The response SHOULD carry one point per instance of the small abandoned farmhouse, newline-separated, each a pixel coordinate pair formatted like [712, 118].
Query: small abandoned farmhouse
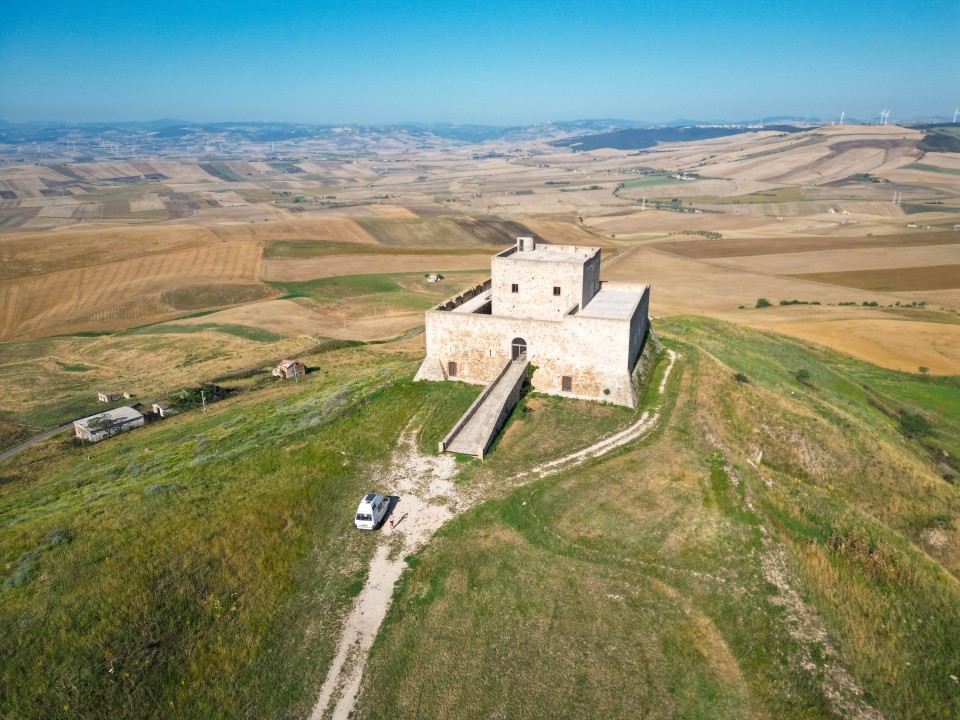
[290, 369]
[544, 304]
[97, 427]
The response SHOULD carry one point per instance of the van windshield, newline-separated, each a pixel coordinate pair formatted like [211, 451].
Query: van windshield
[363, 516]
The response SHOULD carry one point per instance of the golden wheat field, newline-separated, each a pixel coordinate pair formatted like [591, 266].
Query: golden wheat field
[121, 293]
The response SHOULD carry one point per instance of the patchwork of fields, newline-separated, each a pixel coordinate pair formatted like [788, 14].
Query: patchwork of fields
[783, 542]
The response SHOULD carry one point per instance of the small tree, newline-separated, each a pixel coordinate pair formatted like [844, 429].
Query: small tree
[924, 370]
[763, 302]
[803, 376]
[102, 425]
[741, 378]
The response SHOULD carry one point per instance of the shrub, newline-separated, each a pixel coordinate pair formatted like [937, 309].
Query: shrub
[763, 302]
[741, 378]
[914, 425]
[803, 376]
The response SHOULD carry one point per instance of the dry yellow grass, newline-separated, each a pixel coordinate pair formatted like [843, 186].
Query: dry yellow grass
[83, 298]
[894, 344]
[687, 286]
[566, 233]
[303, 318]
[150, 366]
[828, 261]
[298, 269]
[682, 285]
[34, 253]
[661, 221]
[328, 228]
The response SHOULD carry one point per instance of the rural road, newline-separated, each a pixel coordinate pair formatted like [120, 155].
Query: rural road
[34, 440]
[428, 499]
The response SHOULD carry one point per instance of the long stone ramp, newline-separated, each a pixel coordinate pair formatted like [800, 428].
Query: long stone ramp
[475, 431]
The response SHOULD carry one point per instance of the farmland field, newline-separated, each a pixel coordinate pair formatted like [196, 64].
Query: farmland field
[784, 541]
[88, 297]
[932, 168]
[743, 247]
[934, 277]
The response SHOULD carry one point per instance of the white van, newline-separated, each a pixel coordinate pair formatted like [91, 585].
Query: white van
[371, 511]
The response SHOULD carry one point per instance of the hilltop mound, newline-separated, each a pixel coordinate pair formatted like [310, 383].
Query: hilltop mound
[783, 543]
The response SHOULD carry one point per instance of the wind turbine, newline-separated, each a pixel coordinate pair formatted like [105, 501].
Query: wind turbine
[955, 113]
[842, 115]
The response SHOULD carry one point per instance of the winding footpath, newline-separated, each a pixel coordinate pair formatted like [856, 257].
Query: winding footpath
[428, 499]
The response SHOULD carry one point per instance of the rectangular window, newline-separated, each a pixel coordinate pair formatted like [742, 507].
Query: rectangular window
[514, 288]
[566, 383]
[556, 291]
[451, 369]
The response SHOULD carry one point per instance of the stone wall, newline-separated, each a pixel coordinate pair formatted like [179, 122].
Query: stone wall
[535, 279]
[597, 354]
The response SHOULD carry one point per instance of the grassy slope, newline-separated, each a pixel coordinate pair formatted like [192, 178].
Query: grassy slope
[370, 295]
[208, 560]
[198, 568]
[640, 584]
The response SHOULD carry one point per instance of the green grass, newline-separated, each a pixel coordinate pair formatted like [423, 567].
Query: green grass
[651, 181]
[77, 368]
[255, 195]
[116, 200]
[66, 172]
[207, 560]
[222, 171]
[210, 559]
[241, 331]
[777, 195]
[637, 584]
[378, 293]
[418, 231]
[340, 287]
[914, 208]
[320, 248]
[812, 140]
[618, 589]
[931, 168]
[285, 166]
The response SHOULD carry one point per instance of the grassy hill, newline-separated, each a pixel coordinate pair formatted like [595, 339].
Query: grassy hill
[201, 567]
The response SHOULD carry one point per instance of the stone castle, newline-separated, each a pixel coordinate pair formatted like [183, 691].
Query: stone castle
[544, 304]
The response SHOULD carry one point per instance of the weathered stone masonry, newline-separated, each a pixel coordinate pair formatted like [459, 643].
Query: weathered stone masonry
[583, 336]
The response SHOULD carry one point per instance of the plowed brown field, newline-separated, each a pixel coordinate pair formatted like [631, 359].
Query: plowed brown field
[934, 277]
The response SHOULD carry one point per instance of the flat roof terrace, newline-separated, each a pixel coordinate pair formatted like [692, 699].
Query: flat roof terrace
[613, 304]
[552, 254]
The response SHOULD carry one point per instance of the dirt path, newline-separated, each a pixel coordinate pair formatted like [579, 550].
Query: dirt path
[10, 452]
[428, 499]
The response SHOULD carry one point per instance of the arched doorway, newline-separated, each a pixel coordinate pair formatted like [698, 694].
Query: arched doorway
[518, 350]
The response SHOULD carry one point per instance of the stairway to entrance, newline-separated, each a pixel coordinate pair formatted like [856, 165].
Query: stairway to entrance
[474, 432]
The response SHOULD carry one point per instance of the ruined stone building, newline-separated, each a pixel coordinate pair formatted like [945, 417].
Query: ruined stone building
[547, 305]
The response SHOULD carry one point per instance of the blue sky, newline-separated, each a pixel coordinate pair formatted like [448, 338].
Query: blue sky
[476, 62]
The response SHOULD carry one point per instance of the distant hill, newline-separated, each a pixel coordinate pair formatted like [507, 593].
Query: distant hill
[940, 138]
[640, 138]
